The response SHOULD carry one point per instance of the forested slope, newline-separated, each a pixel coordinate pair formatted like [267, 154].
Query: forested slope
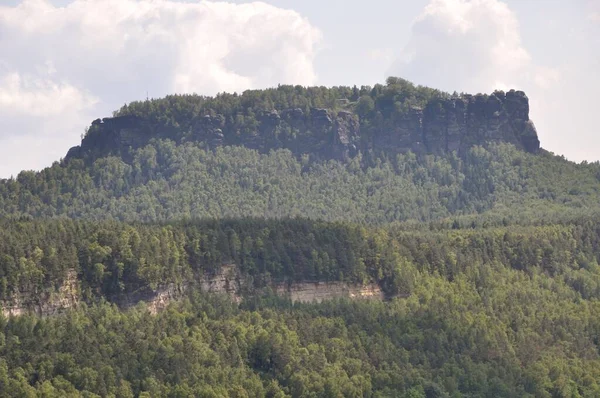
[112, 257]
[164, 159]
[486, 247]
[503, 312]
[165, 181]
[354, 154]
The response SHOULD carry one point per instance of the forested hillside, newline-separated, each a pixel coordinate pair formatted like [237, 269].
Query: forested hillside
[165, 181]
[112, 257]
[378, 162]
[485, 246]
[503, 312]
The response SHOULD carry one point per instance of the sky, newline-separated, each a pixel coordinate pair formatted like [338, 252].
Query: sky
[64, 63]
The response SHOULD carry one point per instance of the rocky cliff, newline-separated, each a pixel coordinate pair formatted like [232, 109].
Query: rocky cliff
[227, 280]
[44, 303]
[308, 292]
[458, 123]
[453, 123]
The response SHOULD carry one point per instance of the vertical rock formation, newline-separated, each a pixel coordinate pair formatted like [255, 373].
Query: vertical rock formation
[458, 123]
[44, 303]
[443, 125]
[209, 129]
[346, 136]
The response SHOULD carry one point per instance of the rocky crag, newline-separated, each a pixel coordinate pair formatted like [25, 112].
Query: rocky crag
[442, 125]
[46, 303]
[227, 280]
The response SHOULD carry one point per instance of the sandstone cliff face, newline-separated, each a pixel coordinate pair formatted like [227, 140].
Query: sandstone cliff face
[156, 300]
[318, 292]
[443, 125]
[46, 303]
[227, 280]
[458, 123]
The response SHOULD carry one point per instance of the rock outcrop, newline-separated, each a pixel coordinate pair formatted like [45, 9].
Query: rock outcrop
[458, 123]
[209, 129]
[317, 292]
[226, 280]
[156, 300]
[443, 125]
[44, 303]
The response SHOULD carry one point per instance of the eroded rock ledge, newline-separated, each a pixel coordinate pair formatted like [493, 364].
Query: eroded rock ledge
[443, 125]
[227, 280]
[45, 303]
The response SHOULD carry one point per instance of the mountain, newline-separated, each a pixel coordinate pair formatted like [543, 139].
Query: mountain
[336, 123]
[386, 241]
[383, 154]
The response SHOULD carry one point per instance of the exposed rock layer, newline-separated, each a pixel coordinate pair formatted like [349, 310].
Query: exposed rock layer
[227, 280]
[318, 292]
[444, 124]
[44, 303]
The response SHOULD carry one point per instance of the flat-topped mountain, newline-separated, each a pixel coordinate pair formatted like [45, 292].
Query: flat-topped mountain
[387, 153]
[330, 123]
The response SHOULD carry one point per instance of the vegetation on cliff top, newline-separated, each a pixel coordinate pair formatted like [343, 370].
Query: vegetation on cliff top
[325, 123]
[396, 96]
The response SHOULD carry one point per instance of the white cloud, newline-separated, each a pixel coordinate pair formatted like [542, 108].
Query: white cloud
[40, 97]
[465, 46]
[475, 46]
[545, 77]
[63, 66]
[383, 55]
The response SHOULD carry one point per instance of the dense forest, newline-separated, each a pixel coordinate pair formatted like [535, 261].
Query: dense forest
[506, 311]
[112, 257]
[487, 250]
[165, 182]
